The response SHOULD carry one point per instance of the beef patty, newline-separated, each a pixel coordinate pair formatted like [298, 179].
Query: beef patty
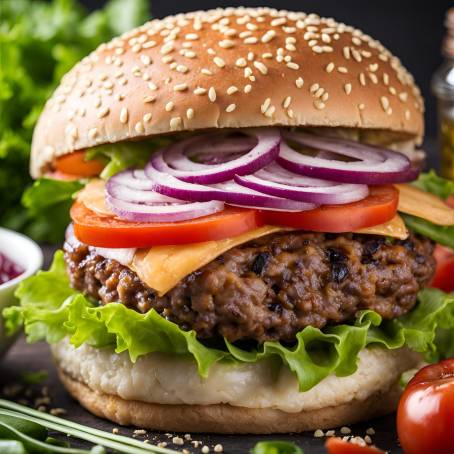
[272, 287]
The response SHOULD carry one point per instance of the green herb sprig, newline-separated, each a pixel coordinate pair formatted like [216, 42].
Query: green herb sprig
[24, 430]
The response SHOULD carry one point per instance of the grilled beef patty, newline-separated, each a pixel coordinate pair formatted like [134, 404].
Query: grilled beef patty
[272, 287]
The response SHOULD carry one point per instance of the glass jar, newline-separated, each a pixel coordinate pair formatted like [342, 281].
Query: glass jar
[443, 88]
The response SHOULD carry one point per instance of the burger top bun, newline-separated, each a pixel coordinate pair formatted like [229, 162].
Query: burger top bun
[233, 67]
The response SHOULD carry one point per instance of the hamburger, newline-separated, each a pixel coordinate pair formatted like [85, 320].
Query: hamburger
[250, 243]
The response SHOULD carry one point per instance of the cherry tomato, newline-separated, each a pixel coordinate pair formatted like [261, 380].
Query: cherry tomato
[338, 446]
[425, 416]
[379, 207]
[444, 273]
[75, 164]
[108, 231]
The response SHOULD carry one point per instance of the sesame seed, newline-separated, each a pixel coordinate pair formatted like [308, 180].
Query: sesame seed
[403, 96]
[345, 430]
[348, 88]
[180, 87]
[169, 106]
[124, 115]
[205, 449]
[407, 115]
[268, 36]
[373, 78]
[356, 41]
[152, 86]
[147, 117]
[385, 78]
[293, 65]
[261, 67]
[251, 40]
[277, 22]
[190, 114]
[103, 112]
[115, 430]
[206, 71]
[330, 433]
[330, 67]
[190, 54]
[346, 52]
[182, 69]
[247, 88]
[373, 67]
[318, 49]
[218, 448]
[319, 433]
[187, 437]
[241, 62]
[230, 108]
[212, 94]
[319, 104]
[265, 105]
[357, 56]
[286, 102]
[226, 43]
[192, 36]
[392, 90]
[200, 91]
[250, 56]
[314, 87]
[312, 42]
[384, 103]
[93, 133]
[270, 111]
[267, 55]
[149, 99]
[370, 431]
[232, 89]
[146, 60]
[247, 72]
[167, 48]
[290, 47]
[342, 69]
[362, 79]
[219, 62]
[177, 441]
[148, 44]
[319, 92]
[299, 82]
[175, 123]
[290, 113]
[368, 440]
[140, 432]
[361, 106]
[139, 128]
[325, 96]
[162, 444]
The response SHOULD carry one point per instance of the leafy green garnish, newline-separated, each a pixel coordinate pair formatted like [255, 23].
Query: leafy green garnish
[442, 188]
[48, 202]
[39, 42]
[50, 309]
[440, 233]
[33, 378]
[433, 183]
[276, 447]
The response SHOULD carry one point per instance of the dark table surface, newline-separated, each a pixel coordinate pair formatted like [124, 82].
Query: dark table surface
[25, 358]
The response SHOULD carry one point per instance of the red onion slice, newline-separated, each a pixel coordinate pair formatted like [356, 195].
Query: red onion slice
[182, 211]
[131, 196]
[174, 161]
[370, 164]
[228, 192]
[278, 182]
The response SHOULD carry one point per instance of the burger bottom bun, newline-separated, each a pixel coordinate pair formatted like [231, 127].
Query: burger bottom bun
[110, 386]
[224, 418]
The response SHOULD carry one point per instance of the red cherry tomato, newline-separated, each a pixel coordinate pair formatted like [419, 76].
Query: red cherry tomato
[444, 273]
[338, 446]
[425, 416]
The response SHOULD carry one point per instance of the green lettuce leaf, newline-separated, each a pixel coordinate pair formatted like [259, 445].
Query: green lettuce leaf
[39, 42]
[442, 188]
[433, 183]
[50, 310]
[276, 447]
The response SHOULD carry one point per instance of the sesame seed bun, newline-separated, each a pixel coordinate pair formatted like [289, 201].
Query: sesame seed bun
[234, 67]
[161, 392]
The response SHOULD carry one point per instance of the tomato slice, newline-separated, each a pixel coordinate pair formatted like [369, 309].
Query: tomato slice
[338, 446]
[426, 411]
[75, 164]
[379, 207]
[111, 232]
[444, 272]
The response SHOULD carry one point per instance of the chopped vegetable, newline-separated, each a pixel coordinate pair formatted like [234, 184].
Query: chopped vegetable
[276, 447]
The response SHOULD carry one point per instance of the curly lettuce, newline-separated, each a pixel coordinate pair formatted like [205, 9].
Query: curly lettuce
[51, 310]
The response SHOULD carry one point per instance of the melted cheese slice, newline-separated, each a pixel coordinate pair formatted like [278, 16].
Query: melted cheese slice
[416, 202]
[93, 197]
[394, 228]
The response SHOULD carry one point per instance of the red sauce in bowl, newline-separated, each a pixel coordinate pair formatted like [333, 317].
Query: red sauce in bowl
[8, 269]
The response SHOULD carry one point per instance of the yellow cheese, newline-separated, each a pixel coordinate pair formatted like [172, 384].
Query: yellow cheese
[394, 228]
[162, 267]
[416, 202]
[93, 197]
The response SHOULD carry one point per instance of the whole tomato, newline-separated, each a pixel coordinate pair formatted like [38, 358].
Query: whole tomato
[425, 416]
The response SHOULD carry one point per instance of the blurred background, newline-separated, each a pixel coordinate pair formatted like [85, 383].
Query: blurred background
[40, 40]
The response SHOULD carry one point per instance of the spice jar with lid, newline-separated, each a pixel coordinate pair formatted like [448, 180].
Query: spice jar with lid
[443, 88]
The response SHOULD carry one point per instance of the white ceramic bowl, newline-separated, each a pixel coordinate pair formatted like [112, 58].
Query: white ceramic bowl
[27, 254]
